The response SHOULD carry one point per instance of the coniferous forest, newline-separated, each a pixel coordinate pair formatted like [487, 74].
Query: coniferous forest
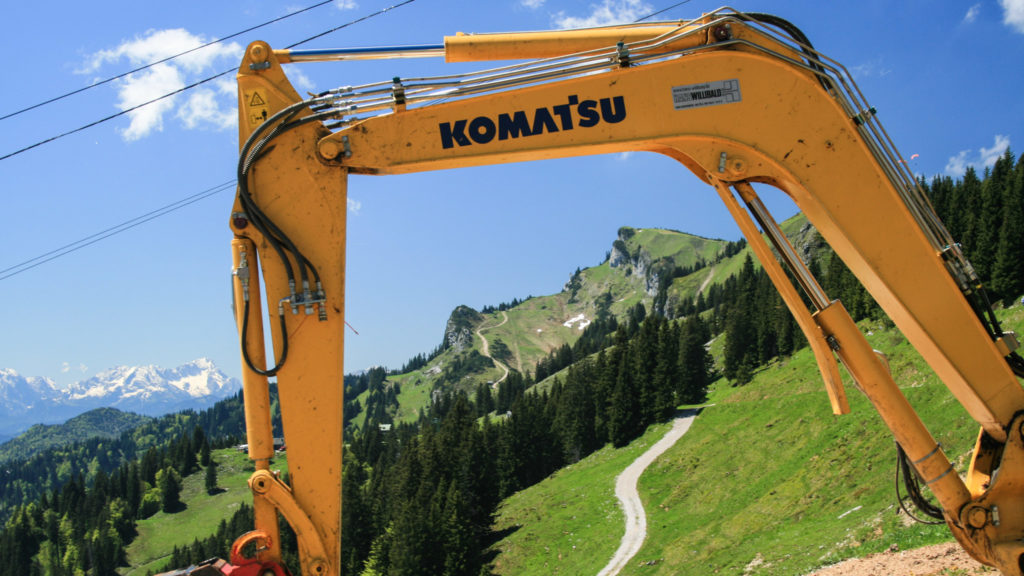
[420, 497]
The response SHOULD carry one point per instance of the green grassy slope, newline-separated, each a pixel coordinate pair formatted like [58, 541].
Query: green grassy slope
[160, 533]
[570, 523]
[538, 325]
[767, 481]
[103, 422]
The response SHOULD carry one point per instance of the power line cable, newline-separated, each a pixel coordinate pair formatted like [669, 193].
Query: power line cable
[113, 230]
[151, 64]
[194, 84]
[129, 224]
[112, 116]
[356, 21]
[653, 14]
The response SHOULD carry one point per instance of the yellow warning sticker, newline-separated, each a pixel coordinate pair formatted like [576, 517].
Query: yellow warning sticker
[258, 109]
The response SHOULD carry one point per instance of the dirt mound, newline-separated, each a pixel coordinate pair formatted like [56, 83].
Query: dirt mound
[937, 560]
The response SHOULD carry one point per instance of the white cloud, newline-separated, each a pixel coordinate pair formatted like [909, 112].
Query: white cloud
[299, 80]
[346, 4]
[531, 4]
[1013, 14]
[354, 206]
[143, 87]
[203, 108]
[984, 158]
[606, 13]
[990, 155]
[876, 68]
[972, 13]
[66, 367]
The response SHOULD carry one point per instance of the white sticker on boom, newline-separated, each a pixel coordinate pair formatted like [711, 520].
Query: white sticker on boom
[706, 94]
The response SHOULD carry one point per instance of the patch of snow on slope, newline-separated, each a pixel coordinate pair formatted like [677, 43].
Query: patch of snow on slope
[581, 318]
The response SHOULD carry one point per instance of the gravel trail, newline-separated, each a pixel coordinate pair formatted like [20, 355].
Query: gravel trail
[629, 498]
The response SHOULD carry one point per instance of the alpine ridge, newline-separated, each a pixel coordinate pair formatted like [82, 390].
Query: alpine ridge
[147, 390]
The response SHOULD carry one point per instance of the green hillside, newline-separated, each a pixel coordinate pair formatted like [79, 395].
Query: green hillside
[571, 522]
[767, 481]
[101, 422]
[161, 532]
[533, 328]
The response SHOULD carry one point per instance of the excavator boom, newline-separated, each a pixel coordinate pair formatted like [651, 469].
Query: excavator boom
[738, 99]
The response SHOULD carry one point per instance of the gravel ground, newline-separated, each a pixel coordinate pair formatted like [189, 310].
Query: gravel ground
[939, 560]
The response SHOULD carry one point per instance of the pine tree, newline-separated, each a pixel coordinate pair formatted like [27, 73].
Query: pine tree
[204, 452]
[967, 202]
[624, 411]
[740, 343]
[695, 362]
[461, 547]
[986, 236]
[575, 416]
[1008, 269]
[356, 523]
[483, 399]
[169, 483]
[210, 480]
[666, 371]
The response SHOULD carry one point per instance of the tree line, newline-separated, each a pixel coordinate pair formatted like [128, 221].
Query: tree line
[26, 480]
[986, 216]
[83, 527]
[420, 497]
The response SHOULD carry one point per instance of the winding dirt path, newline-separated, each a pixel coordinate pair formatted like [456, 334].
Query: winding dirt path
[629, 498]
[711, 274]
[487, 347]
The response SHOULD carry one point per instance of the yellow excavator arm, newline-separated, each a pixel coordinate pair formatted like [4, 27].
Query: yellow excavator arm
[737, 99]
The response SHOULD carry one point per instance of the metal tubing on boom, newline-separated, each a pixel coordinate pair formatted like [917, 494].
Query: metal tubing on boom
[819, 345]
[783, 247]
[255, 387]
[371, 53]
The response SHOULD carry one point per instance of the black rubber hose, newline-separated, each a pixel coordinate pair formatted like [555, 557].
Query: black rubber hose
[806, 47]
[245, 349]
[912, 483]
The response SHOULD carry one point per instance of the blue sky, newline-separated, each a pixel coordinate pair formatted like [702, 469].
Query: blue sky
[946, 78]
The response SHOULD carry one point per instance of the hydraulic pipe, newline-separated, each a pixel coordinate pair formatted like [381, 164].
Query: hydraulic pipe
[371, 53]
[822, 354]
[255, 388]
[551, 44]
[868, 370]
[786, 252]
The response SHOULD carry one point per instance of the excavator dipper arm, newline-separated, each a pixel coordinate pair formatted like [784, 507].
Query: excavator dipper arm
[737, 99]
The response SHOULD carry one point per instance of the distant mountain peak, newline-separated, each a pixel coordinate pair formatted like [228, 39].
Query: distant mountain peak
[149, 390]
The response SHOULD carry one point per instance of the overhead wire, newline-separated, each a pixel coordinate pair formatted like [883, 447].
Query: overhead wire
[194, 84]
[161, 61]
[118, 114]
[129, 224]
[113, 230]
[663, 10]
[347, 24]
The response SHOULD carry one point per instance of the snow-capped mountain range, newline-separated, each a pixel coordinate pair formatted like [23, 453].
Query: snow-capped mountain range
[149, 390]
